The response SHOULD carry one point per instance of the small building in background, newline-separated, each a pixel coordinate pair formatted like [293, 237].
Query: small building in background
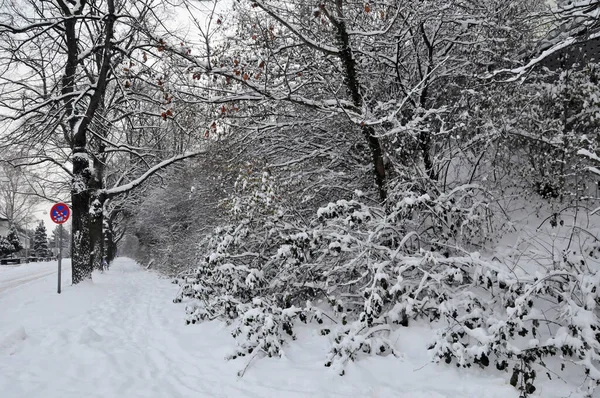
[4, 226]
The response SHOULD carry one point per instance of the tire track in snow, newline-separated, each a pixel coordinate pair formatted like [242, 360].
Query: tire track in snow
[133, 336]
[16, 282]
[156, 361]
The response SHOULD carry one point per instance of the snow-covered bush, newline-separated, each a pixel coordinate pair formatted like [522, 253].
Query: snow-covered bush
[232, 271]
[351, 256]
[361, 270]
[517, 322]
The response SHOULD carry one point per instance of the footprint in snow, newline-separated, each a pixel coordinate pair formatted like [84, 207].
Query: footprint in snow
[10, 343]
[89, 335]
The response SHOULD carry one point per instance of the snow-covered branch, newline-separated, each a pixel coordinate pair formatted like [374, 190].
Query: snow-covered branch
[111, 192]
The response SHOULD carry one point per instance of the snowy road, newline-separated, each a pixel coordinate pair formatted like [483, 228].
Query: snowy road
[13, 276]
[121, 336]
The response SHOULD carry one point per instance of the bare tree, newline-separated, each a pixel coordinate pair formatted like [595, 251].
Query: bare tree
[17, 199]
[344, 84]
[64, 66]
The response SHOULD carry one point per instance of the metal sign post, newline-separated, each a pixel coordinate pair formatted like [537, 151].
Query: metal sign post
[59, 253]
[59, 213]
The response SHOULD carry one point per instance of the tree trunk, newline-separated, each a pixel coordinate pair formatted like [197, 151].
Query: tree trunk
[425, 145]
[81, 265]
[96, 236]
[353, 86]
[98, 198]
[81, 249]
[110, 247]
[80, 194]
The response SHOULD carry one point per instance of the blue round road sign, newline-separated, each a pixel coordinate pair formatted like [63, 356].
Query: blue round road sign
[59, 213]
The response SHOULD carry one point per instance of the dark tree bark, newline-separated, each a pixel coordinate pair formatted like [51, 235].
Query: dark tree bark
[98, 198]
[353, 86]
[80, 196]
[109, 238]
[96, 225]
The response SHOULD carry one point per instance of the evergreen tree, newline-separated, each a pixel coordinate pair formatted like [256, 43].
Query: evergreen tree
[6, 247]
[66, 239]
[40, 241]
[13, 238]
[31, 238]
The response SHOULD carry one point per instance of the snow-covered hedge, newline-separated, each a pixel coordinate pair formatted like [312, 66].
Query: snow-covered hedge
[361, 270]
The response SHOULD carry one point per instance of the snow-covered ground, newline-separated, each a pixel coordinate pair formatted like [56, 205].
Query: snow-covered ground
[121, 336]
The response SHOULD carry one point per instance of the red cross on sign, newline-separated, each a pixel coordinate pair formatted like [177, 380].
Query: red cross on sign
[59, 213]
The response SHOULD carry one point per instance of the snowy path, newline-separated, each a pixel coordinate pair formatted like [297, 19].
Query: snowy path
[121, 336]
